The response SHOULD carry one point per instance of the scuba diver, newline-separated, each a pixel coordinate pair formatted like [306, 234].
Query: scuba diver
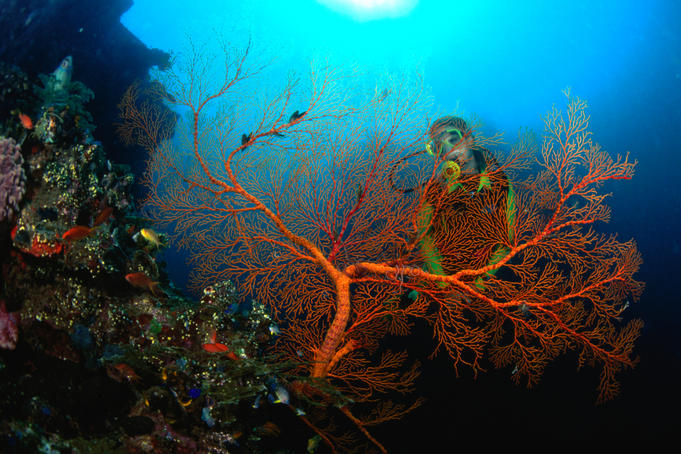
[466, 170]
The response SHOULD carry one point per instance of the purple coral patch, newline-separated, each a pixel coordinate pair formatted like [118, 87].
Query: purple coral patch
[9, 332]
[12, 177]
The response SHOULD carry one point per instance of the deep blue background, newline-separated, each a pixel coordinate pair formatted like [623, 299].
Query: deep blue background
[508, 62]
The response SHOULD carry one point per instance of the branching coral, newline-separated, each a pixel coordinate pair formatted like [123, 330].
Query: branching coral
[299, 208]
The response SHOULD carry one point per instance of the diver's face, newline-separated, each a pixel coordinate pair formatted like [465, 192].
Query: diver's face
[450, 139]
[454, 145]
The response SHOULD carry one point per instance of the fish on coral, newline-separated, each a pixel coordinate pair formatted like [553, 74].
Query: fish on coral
[141, 280]
[26, 121]
[62, 75]
[147, 237]
[217, 347]
[297, 115]
[151, 237]
[122, 372]
[278, 395]
[270, 429]
[207, 417]
[194, 393]
[313, 444]
[103, 216]
[76, 233]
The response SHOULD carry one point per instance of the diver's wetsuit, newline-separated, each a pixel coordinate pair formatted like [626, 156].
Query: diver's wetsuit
[453, 212]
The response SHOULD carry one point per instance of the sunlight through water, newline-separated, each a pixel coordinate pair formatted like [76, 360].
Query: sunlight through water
[365, 10]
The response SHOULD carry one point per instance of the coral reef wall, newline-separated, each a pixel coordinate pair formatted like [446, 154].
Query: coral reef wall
[99, 352]
[36, 35]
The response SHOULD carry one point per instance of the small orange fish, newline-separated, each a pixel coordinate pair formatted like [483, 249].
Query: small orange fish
[121, 371]
[141, 280]
[26, 121]
[270, 429]
[232, 356]
[103, 216]
[76, 233]
[217, 347]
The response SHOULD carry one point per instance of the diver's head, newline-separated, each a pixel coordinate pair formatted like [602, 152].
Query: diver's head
[452, 140]
[450, 135]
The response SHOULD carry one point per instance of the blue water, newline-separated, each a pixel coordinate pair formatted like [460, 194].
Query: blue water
[507, 62]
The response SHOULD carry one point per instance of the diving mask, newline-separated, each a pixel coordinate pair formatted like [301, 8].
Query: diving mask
[446, 140]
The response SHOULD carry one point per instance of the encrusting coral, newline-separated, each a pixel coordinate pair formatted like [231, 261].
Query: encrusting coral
[12, 177]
